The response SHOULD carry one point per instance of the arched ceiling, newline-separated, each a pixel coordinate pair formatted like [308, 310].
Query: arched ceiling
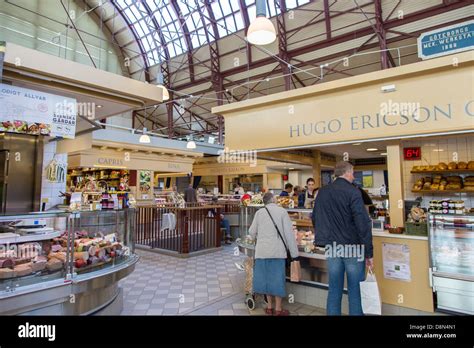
[199, 47]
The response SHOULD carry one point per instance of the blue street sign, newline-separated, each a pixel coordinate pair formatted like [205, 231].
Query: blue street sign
[448, 40]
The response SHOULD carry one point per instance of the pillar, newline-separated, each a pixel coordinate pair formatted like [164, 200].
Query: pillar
[317, 167]
[395, 184]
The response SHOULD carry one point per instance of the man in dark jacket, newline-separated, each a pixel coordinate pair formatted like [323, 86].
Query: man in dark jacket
[342, 225]
[190, 194]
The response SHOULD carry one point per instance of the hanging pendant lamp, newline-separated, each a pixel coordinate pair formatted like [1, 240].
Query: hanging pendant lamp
[261, 31]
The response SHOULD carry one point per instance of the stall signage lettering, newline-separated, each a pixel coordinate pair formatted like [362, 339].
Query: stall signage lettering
[358, 123]
[174, 166]
[453, 39]
[110, 161]
[37, 113]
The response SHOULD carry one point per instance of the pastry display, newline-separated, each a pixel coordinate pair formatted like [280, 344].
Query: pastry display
[462, 165]
[452, 165]
[470, 165]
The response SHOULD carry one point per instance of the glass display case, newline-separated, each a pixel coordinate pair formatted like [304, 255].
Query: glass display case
[451, 239]
[52, 255]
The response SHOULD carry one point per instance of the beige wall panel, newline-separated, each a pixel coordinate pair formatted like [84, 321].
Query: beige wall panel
[416, 294]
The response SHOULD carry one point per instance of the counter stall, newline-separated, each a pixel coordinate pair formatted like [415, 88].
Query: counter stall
[402, 267]
[62, 263]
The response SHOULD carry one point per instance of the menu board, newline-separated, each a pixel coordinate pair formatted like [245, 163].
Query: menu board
[28, 111]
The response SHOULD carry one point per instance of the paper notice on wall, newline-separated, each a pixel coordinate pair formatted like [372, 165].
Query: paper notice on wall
[396, 262]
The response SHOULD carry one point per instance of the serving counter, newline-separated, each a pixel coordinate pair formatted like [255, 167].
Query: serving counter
[65, 263]
[401, 265]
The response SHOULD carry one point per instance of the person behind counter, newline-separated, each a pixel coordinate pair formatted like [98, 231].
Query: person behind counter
[340, 219]
[190, 195]
[306, 198]
[269, 275]
[287, 191]
[238, 189]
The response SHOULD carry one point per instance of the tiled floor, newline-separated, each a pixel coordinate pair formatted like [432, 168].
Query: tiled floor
[208, 284]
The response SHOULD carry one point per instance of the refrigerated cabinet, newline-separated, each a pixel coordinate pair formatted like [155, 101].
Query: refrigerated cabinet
[451, 240]
[65, 263]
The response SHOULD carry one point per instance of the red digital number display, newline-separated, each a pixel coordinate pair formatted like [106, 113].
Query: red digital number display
[412, 153]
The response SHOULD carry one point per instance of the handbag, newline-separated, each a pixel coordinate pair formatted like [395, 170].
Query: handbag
[295, 266]
[370, 295]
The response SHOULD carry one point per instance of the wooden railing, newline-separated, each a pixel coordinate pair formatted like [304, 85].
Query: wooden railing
[197, 227]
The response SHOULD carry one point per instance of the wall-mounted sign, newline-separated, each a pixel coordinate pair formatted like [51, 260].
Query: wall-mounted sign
[110, 161]
[412, 153]
[455, 38]
[32, 112]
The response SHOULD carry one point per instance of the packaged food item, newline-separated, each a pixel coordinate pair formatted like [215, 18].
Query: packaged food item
[434, 187]
[23, 270]
[427, 186]
[54, 264]
[7, 263]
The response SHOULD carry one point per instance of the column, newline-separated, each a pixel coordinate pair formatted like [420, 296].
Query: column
[317, 167]
[395, 184]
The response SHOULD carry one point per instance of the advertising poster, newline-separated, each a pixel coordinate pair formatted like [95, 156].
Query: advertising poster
[32, 112]
[396, 262]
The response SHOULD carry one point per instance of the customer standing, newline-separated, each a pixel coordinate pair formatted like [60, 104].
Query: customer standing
[340, 219]
[190, 195]
[269, 276]
[306, 198]
[287, 191]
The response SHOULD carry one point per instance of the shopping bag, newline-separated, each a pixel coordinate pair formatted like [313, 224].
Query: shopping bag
[370, 295]
[295, 271]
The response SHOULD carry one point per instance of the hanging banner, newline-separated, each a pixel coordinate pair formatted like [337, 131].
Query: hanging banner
[448, 40]
[28, 111]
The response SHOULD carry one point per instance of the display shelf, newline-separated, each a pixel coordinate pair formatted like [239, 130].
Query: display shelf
[303, 223]
[447, 171]
[29, 238]
[442, 191]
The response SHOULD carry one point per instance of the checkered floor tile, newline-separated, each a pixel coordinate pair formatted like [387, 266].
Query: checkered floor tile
[208, 284]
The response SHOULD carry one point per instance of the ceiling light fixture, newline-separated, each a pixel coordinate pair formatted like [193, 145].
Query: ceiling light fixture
[383, 154]
[191, 143]
[438, 150]
[144, 138]
[372, 149]
[356, 144]
[261, 31]
[98, 106]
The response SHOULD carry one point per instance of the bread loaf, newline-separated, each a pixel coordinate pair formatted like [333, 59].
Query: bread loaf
[470, 165]
[462, 165]
[442, 166]
[452, 165]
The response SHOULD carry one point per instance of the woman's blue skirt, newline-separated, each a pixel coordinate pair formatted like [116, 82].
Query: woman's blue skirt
[269, 277]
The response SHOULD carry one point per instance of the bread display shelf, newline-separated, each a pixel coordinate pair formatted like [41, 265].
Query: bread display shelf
[447, 171]
[443, 191]
[303, 223]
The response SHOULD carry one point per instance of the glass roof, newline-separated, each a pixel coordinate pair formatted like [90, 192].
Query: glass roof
[184, 25]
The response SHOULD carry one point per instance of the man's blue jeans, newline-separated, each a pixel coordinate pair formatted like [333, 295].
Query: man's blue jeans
[226, 224]
[355, 270]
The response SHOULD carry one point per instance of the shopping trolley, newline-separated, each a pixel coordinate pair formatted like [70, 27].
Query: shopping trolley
[251, 298]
